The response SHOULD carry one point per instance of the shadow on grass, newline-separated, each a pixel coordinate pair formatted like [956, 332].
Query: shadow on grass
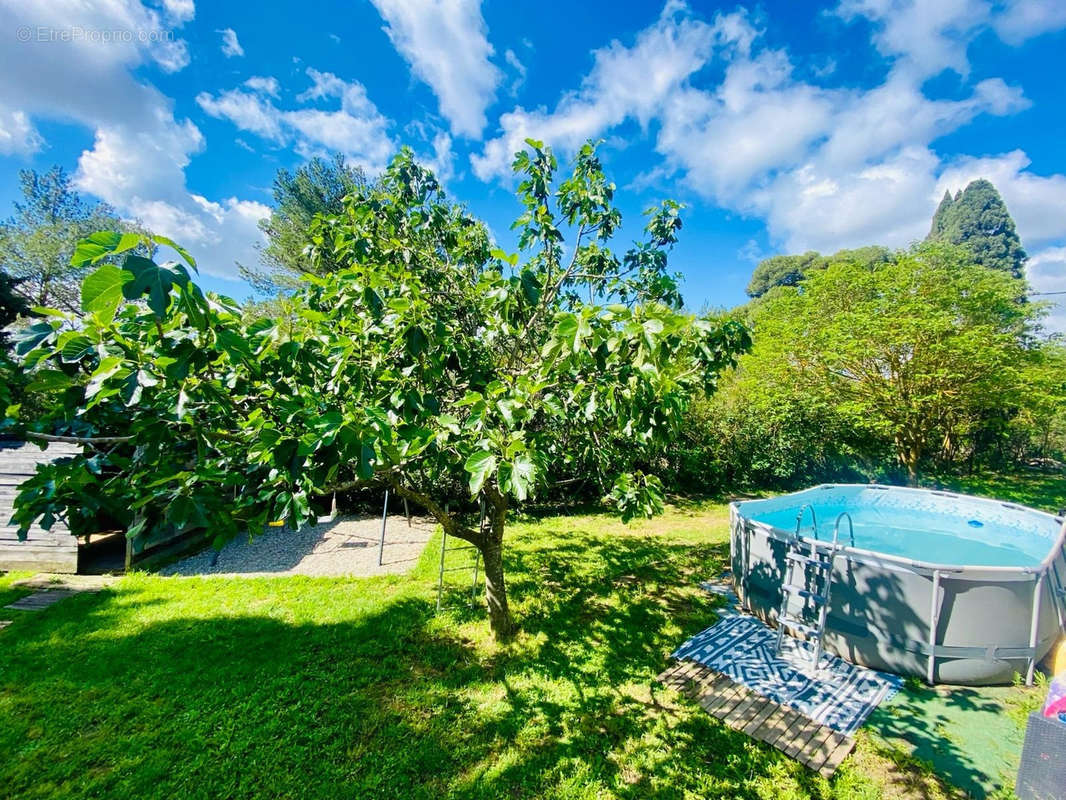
[324, 688]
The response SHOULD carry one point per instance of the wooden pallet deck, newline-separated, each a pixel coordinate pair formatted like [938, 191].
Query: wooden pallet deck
[815, 746]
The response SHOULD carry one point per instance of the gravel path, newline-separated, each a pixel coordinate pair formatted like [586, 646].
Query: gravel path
[346, 546]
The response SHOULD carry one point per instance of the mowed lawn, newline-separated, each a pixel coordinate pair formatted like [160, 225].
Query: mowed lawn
[301, 687]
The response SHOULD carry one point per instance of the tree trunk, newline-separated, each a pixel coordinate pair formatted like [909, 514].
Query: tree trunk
[488, 542]
[492, 555]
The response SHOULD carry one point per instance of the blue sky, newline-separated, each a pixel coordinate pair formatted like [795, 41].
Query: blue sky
[783, 126]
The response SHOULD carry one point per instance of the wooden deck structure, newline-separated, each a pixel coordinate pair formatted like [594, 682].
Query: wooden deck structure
[814, 745]
[42, 551]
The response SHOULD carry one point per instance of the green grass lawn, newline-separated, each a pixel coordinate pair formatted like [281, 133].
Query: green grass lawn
[301, 687]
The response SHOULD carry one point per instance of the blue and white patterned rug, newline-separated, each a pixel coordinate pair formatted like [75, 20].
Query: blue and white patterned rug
[840, 696]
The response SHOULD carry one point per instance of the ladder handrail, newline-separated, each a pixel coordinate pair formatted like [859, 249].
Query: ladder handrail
[814, 520]
[851, 529]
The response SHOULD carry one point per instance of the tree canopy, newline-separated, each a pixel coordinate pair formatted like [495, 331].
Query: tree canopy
[317, 187]
[977, 218]
[421, 353]
[790, 270]
[913, 351]
[37, 242]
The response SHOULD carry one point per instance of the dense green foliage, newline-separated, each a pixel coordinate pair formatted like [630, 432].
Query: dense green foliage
[786, 270]
[319, 187]
[352, 688]
[977, 218]
[927, 361]
[12, 306]
[38, 241]
[426, 357]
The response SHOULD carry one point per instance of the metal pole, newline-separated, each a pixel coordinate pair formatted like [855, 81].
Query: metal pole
[1034, 627]
[934, 619]
[407, 512]
[440, 575]
[384, 514]
[477, 555]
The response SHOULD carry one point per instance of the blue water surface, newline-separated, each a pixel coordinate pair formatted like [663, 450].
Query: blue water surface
[921, 526]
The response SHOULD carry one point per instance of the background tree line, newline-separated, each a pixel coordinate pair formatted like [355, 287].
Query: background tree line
[867, 363]
[894, 365]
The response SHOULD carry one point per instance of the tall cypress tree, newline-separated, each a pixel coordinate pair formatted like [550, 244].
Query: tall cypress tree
[941, 215]
[977, 218]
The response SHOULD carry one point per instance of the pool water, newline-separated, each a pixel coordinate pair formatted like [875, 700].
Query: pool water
[947, 531]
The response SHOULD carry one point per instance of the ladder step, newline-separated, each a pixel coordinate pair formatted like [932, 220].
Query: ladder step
[798, 625]
[816, 563]
[802, 591]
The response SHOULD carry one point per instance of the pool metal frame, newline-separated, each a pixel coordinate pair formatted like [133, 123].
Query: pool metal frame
[1039, 574]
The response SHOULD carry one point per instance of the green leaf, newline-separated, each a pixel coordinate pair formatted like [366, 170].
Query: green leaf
[101, 291]
[155, 281]
[102, 243]
[531, 286]
[366, 459]
[49, 380]
[480, 465]
[76, 348]
[181, 251]
[523, 476]
[29, 338]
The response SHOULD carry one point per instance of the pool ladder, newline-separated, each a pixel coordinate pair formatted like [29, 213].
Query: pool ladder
[818, 566]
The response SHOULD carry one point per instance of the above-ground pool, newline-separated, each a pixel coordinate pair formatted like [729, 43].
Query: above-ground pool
[947, 587]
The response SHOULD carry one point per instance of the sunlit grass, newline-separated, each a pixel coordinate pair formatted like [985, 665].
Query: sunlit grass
[301, 687]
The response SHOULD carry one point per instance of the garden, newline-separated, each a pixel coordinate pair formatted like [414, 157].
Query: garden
[558, 409]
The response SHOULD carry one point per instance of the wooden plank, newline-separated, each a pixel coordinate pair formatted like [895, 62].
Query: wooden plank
[666, 677]
[61, 561]
[678, 678]
[810, 755]
[784, 728]
[740, 715]
[715, 684]
[724, 704]
[799, 736]
[684, 675]
[820, 754]
[41, 600]
[836, 758]
[816, 746]
[772, 728]
[766, 711]
[719, 695]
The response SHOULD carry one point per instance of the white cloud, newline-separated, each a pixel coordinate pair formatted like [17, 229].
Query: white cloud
[17, 134]
[446, 44]
[825, 168]
[268, 85]
[928, 37]
[230, 46]
[179, 11]
[140, 150]
[357, 129]
[1022, 19]
[624, 82]
[1046, 271]
[248, 111]
[519, 68]
[925, 37]
[443, 160]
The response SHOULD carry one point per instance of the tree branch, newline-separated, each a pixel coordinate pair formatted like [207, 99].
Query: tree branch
[448, 521]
